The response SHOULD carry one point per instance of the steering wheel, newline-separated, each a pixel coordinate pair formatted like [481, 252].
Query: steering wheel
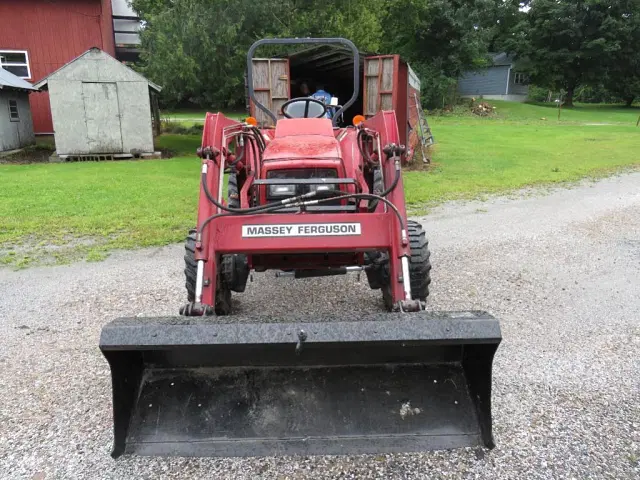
[305, 107]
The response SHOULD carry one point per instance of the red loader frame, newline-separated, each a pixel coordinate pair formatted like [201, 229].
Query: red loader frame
[316, 240]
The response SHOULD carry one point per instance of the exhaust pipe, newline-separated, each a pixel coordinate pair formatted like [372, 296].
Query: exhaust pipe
[389, 383]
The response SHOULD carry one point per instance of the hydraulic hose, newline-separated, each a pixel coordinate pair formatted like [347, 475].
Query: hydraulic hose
[360, 196]
[299, 201]
[261, 143]
[244, 211]
[239, 157]
[362, 133]
[393, 185]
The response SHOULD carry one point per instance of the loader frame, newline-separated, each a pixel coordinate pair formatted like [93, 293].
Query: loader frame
[377, 231]
[383, 230]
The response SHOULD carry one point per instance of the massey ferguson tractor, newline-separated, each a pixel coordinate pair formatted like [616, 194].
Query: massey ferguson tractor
[306, 198]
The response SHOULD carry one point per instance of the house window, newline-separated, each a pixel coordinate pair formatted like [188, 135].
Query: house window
[520, 78]
[16, 62]
[14, 115]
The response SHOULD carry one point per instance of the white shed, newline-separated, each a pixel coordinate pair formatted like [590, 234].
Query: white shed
[100, 108]
[16, 125]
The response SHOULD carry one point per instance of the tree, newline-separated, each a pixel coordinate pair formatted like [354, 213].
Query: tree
[196, 49]
[440, 38]
[566, 43]
[505, 15]
[623, 72]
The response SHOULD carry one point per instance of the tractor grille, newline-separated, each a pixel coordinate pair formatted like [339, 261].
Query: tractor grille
[291, 182]
[281, 184]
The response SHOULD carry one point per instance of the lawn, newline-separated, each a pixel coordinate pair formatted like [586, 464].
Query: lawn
[547, 114]
[493, 157]
[196, 117]
[61, 212]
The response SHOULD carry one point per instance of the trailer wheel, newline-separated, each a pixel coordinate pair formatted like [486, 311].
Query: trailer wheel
[223, 294]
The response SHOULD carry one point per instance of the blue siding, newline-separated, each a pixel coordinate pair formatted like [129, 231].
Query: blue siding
[490, 81]
[517, 89]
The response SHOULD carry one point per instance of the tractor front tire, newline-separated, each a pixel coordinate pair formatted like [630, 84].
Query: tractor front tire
[419, 267]
[223, 294]
[233, 193]
[420, 261]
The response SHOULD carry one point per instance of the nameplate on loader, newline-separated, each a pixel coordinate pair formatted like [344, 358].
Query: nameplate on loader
[301, 230]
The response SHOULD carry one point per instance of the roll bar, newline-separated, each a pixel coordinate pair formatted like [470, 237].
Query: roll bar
[294, 41]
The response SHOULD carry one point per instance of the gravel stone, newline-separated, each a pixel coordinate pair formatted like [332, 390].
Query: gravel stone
[561, 271]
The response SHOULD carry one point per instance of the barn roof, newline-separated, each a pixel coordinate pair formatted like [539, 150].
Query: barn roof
[44, 82]
[9, 81]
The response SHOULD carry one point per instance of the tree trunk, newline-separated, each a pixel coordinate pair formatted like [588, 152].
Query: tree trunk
[568, 101]
[629, 100]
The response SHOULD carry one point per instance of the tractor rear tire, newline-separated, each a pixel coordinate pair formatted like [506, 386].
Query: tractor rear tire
[223, 294]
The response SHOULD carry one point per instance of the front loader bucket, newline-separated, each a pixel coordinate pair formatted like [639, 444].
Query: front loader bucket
[389, 383]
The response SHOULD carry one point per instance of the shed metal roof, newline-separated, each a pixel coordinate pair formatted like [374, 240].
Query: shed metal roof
[10, 82]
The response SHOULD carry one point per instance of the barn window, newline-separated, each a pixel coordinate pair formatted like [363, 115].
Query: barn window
[16, 62]
[520, 78]
[14, 115]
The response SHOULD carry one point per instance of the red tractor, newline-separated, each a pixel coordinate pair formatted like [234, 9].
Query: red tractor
[307, 198]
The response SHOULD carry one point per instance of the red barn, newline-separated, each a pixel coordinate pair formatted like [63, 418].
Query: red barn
[39, 36]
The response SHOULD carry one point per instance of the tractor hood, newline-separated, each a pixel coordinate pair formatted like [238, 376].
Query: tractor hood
[303, 138]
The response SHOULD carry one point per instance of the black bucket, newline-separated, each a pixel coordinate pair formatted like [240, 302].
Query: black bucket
[389, 383]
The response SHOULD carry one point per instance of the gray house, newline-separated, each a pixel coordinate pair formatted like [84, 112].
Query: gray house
[16, 126]
[499, 81]
[101, 109]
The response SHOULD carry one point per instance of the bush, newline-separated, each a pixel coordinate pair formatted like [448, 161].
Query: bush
[595, 94]
[195, 130]
[539, 94]
[167, 125]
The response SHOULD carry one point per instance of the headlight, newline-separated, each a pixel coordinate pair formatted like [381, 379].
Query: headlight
[324, 187]
[282, 190]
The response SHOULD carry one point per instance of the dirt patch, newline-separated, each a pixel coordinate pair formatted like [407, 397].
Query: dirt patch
[27, 155]
[166, 153]
[31, 251]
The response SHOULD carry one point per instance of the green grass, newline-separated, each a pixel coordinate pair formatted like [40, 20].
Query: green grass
[472, 160]
[96, 207]
[526, 113]
[180, 145]
[56, 213]
[196, 117]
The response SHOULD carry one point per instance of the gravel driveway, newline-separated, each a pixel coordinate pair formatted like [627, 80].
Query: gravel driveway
[561, 272]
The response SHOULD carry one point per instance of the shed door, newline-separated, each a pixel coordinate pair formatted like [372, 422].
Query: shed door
[271, 87]
[102, 117]
[378, 83]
